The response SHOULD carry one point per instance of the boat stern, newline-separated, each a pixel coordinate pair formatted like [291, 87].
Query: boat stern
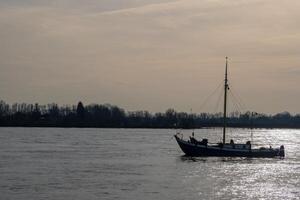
[281, 151]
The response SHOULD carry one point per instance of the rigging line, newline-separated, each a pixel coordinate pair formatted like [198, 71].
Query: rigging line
[241, 106]
[237, 111]
[239, 98]
[206, 100]
[235, 104]
[232, 101]
[238, 105]
[218, 101]
[236, 99]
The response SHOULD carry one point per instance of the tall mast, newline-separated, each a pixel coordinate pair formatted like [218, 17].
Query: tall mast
[225, 102]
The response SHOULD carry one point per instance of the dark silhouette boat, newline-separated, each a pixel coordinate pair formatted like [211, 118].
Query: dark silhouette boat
[193, 147]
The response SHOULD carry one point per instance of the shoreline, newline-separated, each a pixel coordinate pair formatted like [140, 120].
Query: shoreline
[198, 128]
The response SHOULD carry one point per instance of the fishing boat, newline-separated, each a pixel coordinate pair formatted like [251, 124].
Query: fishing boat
[193, 147]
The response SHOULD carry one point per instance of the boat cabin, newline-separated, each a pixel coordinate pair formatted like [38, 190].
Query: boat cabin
[237, 146]
[230, 145]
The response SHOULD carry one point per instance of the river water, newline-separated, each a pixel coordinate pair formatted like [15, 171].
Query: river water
[58, 163]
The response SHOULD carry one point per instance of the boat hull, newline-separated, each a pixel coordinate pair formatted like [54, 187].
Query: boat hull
[197, 150]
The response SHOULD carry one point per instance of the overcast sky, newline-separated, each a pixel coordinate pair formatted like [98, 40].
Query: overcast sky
[151, 54]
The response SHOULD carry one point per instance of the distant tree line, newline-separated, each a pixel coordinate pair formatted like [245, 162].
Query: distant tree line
[109, 116]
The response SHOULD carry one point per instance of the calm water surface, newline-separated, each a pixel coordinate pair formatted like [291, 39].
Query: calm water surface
[55, 163]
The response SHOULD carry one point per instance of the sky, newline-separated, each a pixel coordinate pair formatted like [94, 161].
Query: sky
[151, 54]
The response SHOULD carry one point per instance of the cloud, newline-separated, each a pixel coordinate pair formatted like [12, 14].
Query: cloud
[154, 48]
